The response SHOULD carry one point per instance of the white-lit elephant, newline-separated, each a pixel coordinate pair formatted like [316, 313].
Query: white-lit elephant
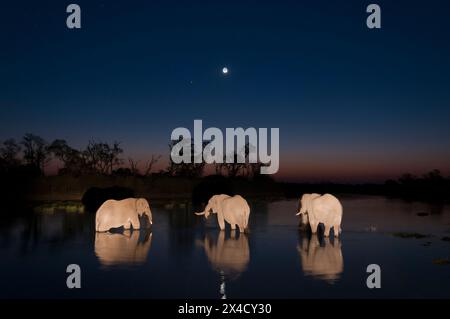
[118, 213]
[232, 209]
[304, 206]
[322, 261]
[324, 209]
[131, 247]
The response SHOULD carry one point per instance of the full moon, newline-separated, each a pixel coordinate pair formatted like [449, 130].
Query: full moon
[225, 70]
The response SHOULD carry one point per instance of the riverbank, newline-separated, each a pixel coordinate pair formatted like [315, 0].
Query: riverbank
[195, 190]
[70, 188]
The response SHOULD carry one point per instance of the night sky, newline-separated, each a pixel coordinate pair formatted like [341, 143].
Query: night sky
[352, 104]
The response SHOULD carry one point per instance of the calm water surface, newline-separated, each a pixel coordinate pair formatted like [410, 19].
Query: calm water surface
[184, 257]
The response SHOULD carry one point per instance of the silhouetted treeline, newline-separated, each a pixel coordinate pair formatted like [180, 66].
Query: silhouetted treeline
[241, 166]
[431, 186]
[23, 163]
[31, 156]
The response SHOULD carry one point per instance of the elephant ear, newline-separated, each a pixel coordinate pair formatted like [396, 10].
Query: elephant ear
[212, 204]
[215, 204]
[219, 207]
[138, 205]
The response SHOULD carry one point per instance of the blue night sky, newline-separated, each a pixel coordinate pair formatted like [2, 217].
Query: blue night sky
[352, 104]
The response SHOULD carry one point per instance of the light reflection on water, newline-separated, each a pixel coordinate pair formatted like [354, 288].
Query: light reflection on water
[321, 257]
[185, 257]
[229, 257]
[129, 247]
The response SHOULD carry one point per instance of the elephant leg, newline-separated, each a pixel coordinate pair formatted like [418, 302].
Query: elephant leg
[337, 230]
[136, 223]
[101, 229]
[221, 221]
[326, 232]
[127, 225]
[314, 227]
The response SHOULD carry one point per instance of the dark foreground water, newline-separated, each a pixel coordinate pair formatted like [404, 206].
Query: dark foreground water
[182, 257]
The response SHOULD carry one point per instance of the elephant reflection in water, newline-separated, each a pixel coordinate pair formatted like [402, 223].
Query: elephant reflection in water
[321, 257]
[229, 257]
[126, 248]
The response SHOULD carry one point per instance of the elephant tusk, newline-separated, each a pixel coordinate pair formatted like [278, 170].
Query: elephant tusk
[297, 214]
[199, 214]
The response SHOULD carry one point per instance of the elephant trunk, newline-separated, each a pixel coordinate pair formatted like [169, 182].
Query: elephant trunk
[205, 212]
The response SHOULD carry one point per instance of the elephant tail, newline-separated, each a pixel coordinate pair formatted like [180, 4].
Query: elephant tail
[338, 220]
[97, 224]
[246, 216]
[99, 228]
[243, 221]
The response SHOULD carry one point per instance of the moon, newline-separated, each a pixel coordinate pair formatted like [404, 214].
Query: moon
[225, 70]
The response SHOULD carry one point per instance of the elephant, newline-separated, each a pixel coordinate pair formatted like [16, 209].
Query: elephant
[232, 209]
[118, 249]
[304, 206]
[322, 261]
[324, 209]
[125, 212]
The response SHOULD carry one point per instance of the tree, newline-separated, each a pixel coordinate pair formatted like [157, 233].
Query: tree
[134, 170]
[123, 171]
[185, 169]
[407, 179]
[150, 163]
[9, 153]
[233, 169]
[35, 151]
[71, 158]
[61, 150]
[101, 157]
[434, 176]
[245, 168]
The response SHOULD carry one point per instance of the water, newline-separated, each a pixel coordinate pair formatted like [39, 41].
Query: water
[184, 257]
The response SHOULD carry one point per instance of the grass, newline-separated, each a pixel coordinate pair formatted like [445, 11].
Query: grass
[411, 235]
[61, 206]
